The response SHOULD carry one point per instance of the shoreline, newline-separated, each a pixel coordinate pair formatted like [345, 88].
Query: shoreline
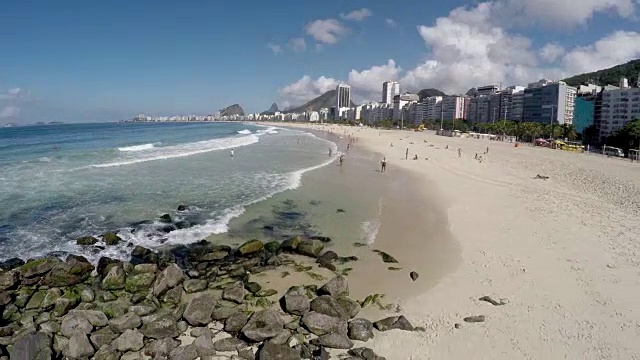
[561, 252]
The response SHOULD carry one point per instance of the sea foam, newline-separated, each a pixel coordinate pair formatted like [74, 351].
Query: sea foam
[137, 147]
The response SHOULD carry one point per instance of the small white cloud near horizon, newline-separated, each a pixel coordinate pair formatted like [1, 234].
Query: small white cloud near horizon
[9, 112]
[298, 44]
[391, 22]
[275, 48]
[357, 15]
[327, 31]
[552, 52]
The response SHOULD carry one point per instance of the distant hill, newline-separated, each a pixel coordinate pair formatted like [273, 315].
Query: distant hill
[326, 100]
[272, 110]
[425, 93]
[609, 76]
[234, 109]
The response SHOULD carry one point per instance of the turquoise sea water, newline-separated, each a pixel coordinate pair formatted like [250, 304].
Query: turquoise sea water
[60, 182]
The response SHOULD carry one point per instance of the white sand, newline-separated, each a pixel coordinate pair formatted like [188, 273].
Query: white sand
[564, 252]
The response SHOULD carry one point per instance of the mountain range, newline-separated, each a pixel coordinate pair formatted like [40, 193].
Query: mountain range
[234, 109]
[272, 110]
[326, 100]
[610, 76]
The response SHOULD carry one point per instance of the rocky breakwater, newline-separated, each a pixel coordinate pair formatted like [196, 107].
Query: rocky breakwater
[147, 307]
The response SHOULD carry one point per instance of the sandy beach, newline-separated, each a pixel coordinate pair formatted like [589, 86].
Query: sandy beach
[562, 253]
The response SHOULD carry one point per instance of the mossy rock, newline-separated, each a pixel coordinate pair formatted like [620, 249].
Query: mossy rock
[251, 247]
[386, 257]
[86, 240]
[139, 282]
[165, 218]
[272, 247]
[111, 238]
[266, 293]
[291, 244]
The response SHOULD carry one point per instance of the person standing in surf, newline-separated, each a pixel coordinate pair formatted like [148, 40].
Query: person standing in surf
[232, 153]
[383, 165]
[341, 159]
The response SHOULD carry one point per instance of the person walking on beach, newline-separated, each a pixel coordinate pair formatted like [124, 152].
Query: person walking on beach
[487, 152]
[330, 152]
[232, 153]
[406, 154]
[341, 159]
[383, 165]
[459, 152]
[348, 146]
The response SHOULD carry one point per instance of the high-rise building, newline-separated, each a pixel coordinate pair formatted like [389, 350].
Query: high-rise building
[619, 106]
[453, 107]
[549, 102]
[400, 101]
[389, 90]
[343, 96]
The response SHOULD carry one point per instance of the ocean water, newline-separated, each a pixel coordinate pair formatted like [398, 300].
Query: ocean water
[61, 182]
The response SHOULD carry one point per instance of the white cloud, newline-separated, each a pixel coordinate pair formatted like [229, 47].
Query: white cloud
[470, 48]
[390, 22]
[277, 49]
[551, 52]
[9, 111]
[14, 91]
[557, 13]
[357, 15]
[298, 44]
[306, 89]
[326, 31]
[618, 47]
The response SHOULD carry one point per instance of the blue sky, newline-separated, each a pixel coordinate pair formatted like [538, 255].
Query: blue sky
[109, 60]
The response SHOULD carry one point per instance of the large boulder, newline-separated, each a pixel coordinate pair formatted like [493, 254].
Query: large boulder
[86, 240]
[168, 278]
[194, 285]
[79, 347]
[263, 325]
[159, 326]
[73, 271]
[393, 322]
[321, 324]
[311, 248]
[234, 293]
[290, 244]
[360, 329]
[271, 351]
[230, 344]
[199, 309]
[327, 257]
[235, 322]
[350, 306]
[130, 340]
[73, 323]
[34, 346]
[139, 282]
[250, 248]
[328, 305]
[338, 286]
[115, 279]
[95, 317]
[38, 267]
[107, 352]
[105, 264]
[334, 341]
[111, 238]
[160, 349]
[125, 322]
[296, 302]
[104, 336]
[185, 352]
[8, 280]
[11, 264]
[204, 345]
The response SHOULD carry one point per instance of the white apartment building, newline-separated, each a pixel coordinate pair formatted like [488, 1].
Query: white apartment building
[400, 101]
[619, 106]
[354, 113]
[453, 107]
[433, 107]
[343, 96]
[389, 90]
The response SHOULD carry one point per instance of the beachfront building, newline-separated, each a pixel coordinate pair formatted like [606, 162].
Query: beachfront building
[453, 107]
[433, 107]
[389, 90]
[511, 101]
[584, 113]
[478, 109]
[619, 106]
[343, 96]
[549, 102]
[399, 103]
[354, 113]
[374, 112]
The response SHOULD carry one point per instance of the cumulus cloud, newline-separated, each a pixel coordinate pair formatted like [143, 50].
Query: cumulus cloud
[557, 13]
[13, 93]
[306, 89]
[9, 112]
[471, 47]
[357, 15]
[298, 44]
[551, 52]
[277, 49]
[327, 31]
[390, 22]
